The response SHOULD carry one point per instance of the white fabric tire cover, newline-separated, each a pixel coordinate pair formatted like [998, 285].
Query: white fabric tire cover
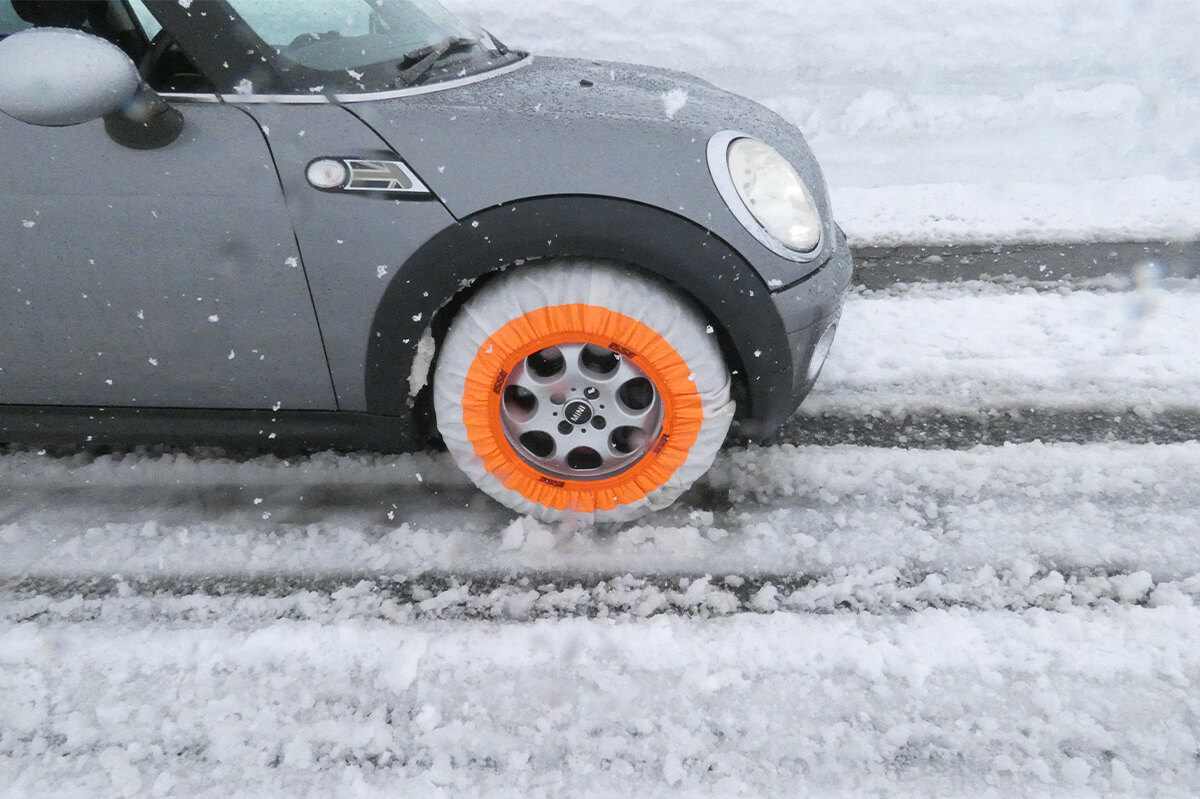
[567, 302]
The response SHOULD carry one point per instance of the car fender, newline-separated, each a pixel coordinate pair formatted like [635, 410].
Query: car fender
[690, 258]
[562, 126]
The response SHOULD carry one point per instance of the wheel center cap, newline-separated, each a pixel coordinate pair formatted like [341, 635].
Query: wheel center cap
[578, 412]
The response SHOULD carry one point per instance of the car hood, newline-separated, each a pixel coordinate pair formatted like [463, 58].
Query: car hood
[596, 89]
[566, 126]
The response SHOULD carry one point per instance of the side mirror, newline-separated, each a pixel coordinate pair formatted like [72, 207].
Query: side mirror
[57, 77]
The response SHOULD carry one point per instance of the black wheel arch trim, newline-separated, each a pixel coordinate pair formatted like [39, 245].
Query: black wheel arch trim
[697, 263]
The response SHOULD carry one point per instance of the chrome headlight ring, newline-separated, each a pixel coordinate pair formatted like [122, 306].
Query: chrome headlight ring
[766, 194]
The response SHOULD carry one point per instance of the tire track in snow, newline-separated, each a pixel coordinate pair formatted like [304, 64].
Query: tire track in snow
[935, 429]
[527, 597]
[1043, 267]
[782, 516]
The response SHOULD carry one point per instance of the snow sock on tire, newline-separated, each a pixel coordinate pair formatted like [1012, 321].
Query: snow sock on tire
[581, 389]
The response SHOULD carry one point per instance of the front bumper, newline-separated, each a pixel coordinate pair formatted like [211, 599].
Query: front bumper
[809, 312]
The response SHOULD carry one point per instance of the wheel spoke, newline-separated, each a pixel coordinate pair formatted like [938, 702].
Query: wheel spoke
[579, 411]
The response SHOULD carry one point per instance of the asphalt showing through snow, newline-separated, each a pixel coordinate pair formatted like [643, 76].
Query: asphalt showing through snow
[1046, 266]
[525, 597]
[938, 430]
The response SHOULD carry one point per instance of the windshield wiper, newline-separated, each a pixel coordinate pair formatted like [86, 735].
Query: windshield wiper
[416, 64]
[498, 47]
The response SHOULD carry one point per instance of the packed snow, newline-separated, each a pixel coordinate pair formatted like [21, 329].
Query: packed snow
[808, 620]
[938, 702]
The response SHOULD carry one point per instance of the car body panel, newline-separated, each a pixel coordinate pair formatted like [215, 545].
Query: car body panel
[353, 243]
[310, 301]
[604, 171]
[540, 131]
[162, 277]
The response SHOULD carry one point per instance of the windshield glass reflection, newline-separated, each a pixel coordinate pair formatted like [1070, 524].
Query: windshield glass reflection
[330, 35]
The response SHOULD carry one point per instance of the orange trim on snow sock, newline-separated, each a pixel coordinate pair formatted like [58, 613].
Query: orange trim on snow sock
[683, 412]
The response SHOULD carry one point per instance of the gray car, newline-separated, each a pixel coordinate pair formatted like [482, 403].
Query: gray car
[357, 223]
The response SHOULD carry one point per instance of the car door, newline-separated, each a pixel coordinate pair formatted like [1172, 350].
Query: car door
[167, 277]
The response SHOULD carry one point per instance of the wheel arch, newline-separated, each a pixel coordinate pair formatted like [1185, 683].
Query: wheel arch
[452, 265]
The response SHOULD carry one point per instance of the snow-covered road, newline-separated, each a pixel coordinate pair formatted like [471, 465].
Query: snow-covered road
[833, 620]
[935, 702]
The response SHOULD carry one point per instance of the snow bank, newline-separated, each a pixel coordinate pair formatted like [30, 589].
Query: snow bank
[939, 122]
[946, 349]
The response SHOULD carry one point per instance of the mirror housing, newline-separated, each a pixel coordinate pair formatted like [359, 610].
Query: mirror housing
[57, 77]
[146, 122]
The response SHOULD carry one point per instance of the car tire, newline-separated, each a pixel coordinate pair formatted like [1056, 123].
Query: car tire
[581, 389]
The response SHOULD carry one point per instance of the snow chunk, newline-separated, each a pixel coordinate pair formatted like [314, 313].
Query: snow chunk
[674, 101]
[1133, 587]
[418, 375]
[527, 533]
[122, 774]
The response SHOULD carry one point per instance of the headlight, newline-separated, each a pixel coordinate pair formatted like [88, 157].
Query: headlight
[766, 194]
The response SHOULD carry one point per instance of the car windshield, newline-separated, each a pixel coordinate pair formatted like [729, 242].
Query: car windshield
[333, 35]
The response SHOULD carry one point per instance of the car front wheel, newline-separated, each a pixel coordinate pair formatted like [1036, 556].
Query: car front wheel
[581, 389]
